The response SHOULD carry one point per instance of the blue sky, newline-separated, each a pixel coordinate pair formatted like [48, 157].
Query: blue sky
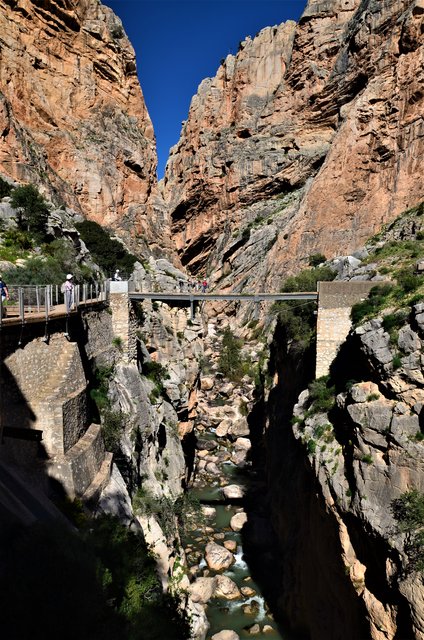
[178, 43]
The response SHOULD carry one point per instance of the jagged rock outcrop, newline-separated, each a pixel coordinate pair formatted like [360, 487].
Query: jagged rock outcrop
[73, 118]
[361, 456]
[307, 140]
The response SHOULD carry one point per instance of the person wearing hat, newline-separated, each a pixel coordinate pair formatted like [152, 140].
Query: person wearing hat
[69, 292]
[4, 292]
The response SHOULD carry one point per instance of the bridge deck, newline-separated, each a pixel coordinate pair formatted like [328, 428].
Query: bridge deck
[201, 297]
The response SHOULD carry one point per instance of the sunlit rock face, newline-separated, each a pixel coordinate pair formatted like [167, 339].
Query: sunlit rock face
[315, 129]
[73, 117]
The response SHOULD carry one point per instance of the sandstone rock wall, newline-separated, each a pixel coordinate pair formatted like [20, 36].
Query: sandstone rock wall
[326, 114]
[73, 117]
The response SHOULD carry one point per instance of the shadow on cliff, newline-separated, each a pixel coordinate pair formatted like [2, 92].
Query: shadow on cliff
[291, 542]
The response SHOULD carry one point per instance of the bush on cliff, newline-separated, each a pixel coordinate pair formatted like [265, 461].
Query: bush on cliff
[109, 254]
[321, 395]
[230, 362]
[408, 510]
[5, 188]
[297, 317]
[376, 301]
[32, 212]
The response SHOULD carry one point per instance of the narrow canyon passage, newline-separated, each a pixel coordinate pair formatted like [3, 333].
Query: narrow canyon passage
[231, 548]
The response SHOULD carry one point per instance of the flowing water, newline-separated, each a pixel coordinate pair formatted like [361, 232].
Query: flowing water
[237, 615]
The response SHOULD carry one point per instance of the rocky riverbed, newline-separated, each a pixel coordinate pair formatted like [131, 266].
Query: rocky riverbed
[224, 479]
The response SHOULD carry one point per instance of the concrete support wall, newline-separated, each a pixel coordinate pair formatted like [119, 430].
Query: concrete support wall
[124, 322]
[335, 301]
[44, 387]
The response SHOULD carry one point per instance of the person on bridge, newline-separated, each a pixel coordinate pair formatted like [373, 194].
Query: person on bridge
[4, 292]
[204, 285]
[69, 292]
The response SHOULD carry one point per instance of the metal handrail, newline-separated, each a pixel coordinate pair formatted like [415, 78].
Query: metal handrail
[30, 299]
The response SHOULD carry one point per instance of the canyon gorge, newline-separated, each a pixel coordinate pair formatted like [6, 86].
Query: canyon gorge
[271, 496]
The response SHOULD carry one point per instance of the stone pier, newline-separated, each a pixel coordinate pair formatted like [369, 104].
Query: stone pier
[124, 321]
[335, 300]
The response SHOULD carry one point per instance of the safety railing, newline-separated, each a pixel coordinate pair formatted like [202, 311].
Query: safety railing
[27, 300]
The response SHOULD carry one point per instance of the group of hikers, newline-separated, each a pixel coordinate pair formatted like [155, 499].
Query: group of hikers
[193, 285]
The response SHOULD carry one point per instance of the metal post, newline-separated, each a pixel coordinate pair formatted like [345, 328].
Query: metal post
[97, 290]
[37, 298]
[191, 308]
[47, 301]
[21, 304]
[84, 292]
[76, 291]
[57, 294]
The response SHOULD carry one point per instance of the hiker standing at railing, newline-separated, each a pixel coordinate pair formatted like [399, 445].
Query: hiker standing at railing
[4, 292]
[68, 289]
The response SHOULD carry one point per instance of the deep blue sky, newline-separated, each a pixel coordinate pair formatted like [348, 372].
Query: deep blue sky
[178, 43]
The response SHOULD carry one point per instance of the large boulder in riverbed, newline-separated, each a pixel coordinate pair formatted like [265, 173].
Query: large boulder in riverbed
[218, 558]
[226, 588]
[238, 521]
[202, 589]
[225, 634]
[238, 428]
[232, 492]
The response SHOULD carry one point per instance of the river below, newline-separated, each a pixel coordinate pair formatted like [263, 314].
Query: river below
[248, 614]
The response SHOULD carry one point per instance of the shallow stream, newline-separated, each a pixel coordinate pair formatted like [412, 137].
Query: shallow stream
[222, 613]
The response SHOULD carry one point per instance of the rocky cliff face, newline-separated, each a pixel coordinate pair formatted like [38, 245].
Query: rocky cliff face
[73, 118]
[314, 129]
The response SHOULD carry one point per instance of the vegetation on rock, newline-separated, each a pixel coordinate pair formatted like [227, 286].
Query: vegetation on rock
[296, 317]
[106, 251]
[32, 212]
[408, 510]
[99, 582]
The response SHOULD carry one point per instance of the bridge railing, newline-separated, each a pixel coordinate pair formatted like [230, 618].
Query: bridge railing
[27, 300]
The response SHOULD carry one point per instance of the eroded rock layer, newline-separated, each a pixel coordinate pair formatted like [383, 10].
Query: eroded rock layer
[314, 128]
[72, 114]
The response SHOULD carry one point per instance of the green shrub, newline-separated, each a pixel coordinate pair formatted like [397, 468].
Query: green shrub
[397, 361]
[113, 425]
[321, 395]
[307, 279]
[408, 281]
[376, 301]
[394, 320]
[311, 446]
[230, 363]
[408, 511]
[107, 252]
[155, 371]
[319, 431]
[100, 386]
[373, 396]
[32, 212]
[5, 188]
[18, 239]
[367, 458]
[316, 259]
[118, 343]
[296, 317]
